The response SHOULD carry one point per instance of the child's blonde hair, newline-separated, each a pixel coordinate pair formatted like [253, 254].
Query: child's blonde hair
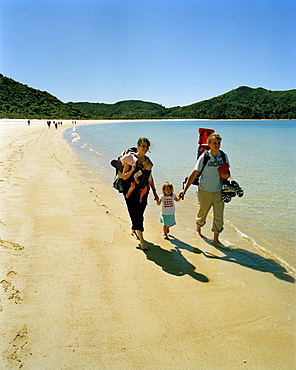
[167, 185]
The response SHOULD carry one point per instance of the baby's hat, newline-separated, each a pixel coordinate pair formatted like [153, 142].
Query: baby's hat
[129, 158]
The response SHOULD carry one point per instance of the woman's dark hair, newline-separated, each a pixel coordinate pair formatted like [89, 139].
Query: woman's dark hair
[143, 140]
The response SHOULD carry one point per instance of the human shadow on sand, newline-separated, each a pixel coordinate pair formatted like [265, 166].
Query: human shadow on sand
[182, 245]
[249, 259]
[173, 262]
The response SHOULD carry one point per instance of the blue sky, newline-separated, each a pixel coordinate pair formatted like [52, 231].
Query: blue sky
[172, 52]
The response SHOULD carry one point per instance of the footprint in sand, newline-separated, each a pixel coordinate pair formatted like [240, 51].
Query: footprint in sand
[6, 285]
[12, 293]
[10, 245]
[17, 348]
[11, 273]
[10, 290]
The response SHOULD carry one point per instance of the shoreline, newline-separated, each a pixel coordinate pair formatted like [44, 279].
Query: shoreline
[98, 121]
[76, 292]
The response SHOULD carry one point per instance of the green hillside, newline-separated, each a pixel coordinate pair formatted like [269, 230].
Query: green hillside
[128, 109]
[20, 101]
[242, 103]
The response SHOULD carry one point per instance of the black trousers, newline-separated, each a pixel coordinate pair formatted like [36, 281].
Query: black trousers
[136, 209]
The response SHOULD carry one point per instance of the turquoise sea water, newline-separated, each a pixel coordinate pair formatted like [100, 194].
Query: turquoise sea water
[262, 159]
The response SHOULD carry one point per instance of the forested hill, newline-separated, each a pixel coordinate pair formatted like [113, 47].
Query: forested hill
[128, 109]
[241, 103]
[20, 101]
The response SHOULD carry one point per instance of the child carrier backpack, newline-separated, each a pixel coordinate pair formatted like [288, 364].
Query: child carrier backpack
[117, 182]
[203, 145]
[229, 189]
[203, 148]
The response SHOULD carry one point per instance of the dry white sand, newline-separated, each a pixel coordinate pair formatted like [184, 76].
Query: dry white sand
[76, 293]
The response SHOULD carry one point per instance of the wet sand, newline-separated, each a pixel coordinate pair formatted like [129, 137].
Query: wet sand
[76, 293]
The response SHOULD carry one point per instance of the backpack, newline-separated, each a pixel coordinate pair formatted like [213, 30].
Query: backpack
[205, 161]
[229, 189]
[203, 148]
[203, 145]
[117, 182]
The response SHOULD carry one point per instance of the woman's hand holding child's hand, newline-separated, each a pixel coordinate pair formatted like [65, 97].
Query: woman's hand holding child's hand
[181, 195]
[156, 197]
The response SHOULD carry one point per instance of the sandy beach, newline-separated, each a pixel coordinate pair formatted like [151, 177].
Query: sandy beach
[76, 293]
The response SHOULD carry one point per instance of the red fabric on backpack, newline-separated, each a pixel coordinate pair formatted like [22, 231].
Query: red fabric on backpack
[204, 133]
[224, 169]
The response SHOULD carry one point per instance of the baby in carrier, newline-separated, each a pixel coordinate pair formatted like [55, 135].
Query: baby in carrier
[139, 176]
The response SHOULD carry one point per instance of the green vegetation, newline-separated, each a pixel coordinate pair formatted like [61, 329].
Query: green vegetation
[20, 101]
[129, 109]
[242, 103]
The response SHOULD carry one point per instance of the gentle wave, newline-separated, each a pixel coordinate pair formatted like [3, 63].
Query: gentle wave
[75, 135]
[254, 243]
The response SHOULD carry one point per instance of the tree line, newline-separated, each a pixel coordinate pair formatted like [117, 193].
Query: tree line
[241, 103]
[20, 101]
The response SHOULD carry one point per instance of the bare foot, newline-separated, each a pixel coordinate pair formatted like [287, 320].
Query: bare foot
[216, 238]
[198, 231]
[134, 234]
[143, 247]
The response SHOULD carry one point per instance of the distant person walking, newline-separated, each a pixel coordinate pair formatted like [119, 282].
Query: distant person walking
[210, 187]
